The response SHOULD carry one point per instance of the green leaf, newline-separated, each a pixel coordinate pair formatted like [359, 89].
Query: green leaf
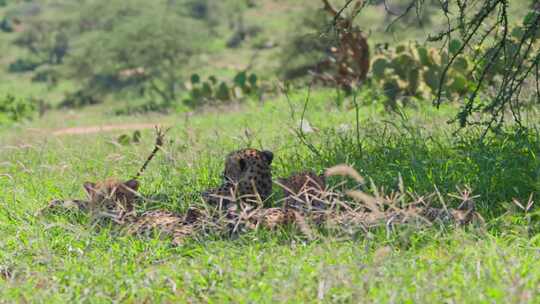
[461, 64]
[124, 139]
[432, 79]
[378, 67]
[518, 33]
[240, 79]
[458, 84]
[137, 136]
[454, 46]
[195, 78]
[423, 55]
[530, 18]
[196, 93]
[206, 90]
[401, 48]
[223, 92]
[252, 80]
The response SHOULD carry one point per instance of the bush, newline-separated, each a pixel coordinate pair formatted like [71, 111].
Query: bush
[148, 49]
[47, 75]
[14, 109]
[307, 45]
[212, 90]
[5, 25]
[79, 99]
[23, 65]
[413, 71]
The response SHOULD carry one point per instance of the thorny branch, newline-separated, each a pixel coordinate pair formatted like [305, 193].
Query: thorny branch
[300, 131]
[490, 41]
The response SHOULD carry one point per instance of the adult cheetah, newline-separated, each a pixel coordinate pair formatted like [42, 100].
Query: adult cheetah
[247, 177]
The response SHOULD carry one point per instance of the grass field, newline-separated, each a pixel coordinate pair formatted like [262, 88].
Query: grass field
[63, 258]
[67, 257]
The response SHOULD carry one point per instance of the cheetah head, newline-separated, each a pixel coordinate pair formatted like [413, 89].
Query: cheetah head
[247, 172]
[111, 196]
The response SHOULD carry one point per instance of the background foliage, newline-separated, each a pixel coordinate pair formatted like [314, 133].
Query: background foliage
[82, 83]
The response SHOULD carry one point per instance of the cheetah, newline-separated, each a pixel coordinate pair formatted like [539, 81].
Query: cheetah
[303, 190]
[247, 176]
[111, 198]
[116, 201]
[166, 223]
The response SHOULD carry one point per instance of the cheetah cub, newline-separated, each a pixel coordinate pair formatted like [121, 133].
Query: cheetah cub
[304, 191]
[112, 197]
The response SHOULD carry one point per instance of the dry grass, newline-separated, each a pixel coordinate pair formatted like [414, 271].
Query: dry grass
[342, 211]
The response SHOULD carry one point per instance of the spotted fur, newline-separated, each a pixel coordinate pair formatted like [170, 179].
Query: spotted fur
[166, 223]
[247, 177]
[111, 198]
[303, 190]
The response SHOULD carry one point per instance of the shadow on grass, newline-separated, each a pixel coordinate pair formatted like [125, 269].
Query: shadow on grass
[500, 168]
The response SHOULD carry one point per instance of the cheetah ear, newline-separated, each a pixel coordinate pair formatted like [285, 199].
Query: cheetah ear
[132, 184]
[90, 188]
[268, 155]
[243, 165]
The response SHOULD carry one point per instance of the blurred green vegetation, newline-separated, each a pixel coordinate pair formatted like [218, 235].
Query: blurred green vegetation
[102, 63]
[145, 51]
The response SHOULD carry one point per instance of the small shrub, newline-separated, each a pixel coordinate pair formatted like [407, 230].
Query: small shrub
[13, 109]
[46, 75]
[212, 90]
[5, 24]
[79, 99]
[306, 47]
[23, 65]
[147, 107]
[128, 139]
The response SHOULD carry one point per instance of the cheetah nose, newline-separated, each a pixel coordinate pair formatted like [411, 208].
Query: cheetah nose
[268, 155]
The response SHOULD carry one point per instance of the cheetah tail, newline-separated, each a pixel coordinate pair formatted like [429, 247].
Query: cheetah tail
[160, 135]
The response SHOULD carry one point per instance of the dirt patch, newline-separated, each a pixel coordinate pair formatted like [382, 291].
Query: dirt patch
[101, 129]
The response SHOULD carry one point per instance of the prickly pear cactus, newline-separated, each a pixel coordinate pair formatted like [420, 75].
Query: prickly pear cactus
[413, 71]
[213, 90]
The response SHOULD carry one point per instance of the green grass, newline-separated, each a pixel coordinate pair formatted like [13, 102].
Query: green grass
[63, 258]
[455, 267]
[275, 20]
